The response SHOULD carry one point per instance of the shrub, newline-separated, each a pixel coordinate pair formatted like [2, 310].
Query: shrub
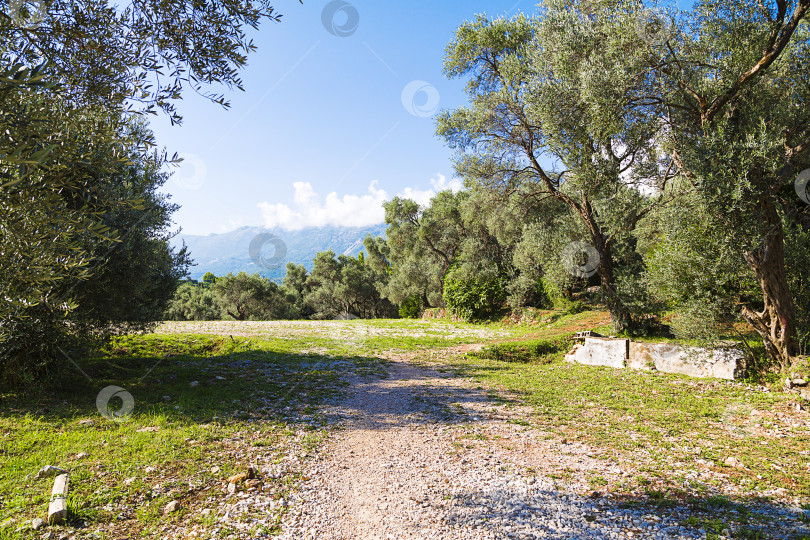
[555, 299]
[540, 351]
[473, 297]
[411, 308]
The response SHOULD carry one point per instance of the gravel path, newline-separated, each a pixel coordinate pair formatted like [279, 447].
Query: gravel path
[422, 454]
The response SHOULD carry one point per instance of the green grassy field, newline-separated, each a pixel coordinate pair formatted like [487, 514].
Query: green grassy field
[229, 396]
[682, 430]
[220, 399]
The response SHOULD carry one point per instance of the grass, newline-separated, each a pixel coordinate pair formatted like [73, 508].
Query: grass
[232, 395]
[200, 402]
[674, 425]
[535, 351]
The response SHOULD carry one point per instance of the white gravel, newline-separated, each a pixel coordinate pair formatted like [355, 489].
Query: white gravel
[424, 455]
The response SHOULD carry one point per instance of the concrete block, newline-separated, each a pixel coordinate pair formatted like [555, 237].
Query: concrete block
[691, 361]
[57, 509]
[601, 352]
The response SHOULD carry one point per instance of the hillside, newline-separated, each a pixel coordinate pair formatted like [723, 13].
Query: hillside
[230, 252]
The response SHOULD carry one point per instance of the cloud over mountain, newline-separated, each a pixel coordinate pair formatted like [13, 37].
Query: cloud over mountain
[311, 210]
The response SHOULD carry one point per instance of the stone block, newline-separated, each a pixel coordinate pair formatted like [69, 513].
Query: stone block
[691, 361]
[601, 352]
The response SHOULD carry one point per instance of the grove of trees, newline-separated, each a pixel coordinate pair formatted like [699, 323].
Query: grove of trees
[612, 154]
[651, 154]
[84, 233]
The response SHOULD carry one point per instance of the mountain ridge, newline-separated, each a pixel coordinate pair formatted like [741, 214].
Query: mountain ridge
[267, 251]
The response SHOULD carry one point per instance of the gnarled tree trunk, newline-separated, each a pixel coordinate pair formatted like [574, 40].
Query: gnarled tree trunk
[776, 322]
[619, 315]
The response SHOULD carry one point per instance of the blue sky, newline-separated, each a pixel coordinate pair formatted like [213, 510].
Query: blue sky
[323, 114]
[323, 133]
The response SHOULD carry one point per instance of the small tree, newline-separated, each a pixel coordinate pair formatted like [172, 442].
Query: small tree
[193, 302]
[475, 296]
[422, 244]
[345, 286]
[251, 297]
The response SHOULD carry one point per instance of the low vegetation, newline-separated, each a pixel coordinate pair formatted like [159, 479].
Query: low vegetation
[205, 408]
[528, 351]
[213, 399]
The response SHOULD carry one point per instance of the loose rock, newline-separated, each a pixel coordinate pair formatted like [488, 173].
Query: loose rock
[57, 510]
[49, 470]
[238, 478]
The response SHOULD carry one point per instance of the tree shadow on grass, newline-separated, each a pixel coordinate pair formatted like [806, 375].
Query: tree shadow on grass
[190, 388]
[247, 385]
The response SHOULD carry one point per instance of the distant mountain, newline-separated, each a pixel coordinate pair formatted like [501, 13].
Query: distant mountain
[231, 252]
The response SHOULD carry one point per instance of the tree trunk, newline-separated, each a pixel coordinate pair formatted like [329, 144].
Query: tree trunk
[776, 322]
[240, 310]
[619, 316]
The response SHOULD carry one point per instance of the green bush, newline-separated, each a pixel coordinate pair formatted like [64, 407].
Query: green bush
[474, 298]
[554, 299]
[538, 351]
[29, 347]
[411, 308]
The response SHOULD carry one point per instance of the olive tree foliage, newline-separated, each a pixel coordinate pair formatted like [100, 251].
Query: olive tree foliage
[343, 286]
[422, 244]
[193, 302]
[134, 277]
[797, 261]
[137, 55]
[295, 282]
[34, 259]
[69, 73]
[84, 238]
[251, 297]
[736, 89]
[481, 242]
[694, 266]
[35, 263]
[551, 116]
[77, 181]
[241, 297]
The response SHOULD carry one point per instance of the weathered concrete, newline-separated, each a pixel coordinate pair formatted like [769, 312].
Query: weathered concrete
[57, 509]
[640, 356]
[692, 361]
[601, 352]
[664, 357]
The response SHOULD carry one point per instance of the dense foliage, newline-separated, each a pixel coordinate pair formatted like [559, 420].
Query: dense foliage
[612, 155]
[337, 287]
[84, 234]
[617, 155]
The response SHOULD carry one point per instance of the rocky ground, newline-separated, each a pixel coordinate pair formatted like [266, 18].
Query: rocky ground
[423, 454]
[345, 431]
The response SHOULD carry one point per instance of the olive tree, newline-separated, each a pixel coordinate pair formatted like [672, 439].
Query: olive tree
[133, 55]
[551, 115]
[422, 244]
[736, 86]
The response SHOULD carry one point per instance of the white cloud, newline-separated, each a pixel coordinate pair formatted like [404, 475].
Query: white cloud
[232, 225]
[422, 197]
[310, 210]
